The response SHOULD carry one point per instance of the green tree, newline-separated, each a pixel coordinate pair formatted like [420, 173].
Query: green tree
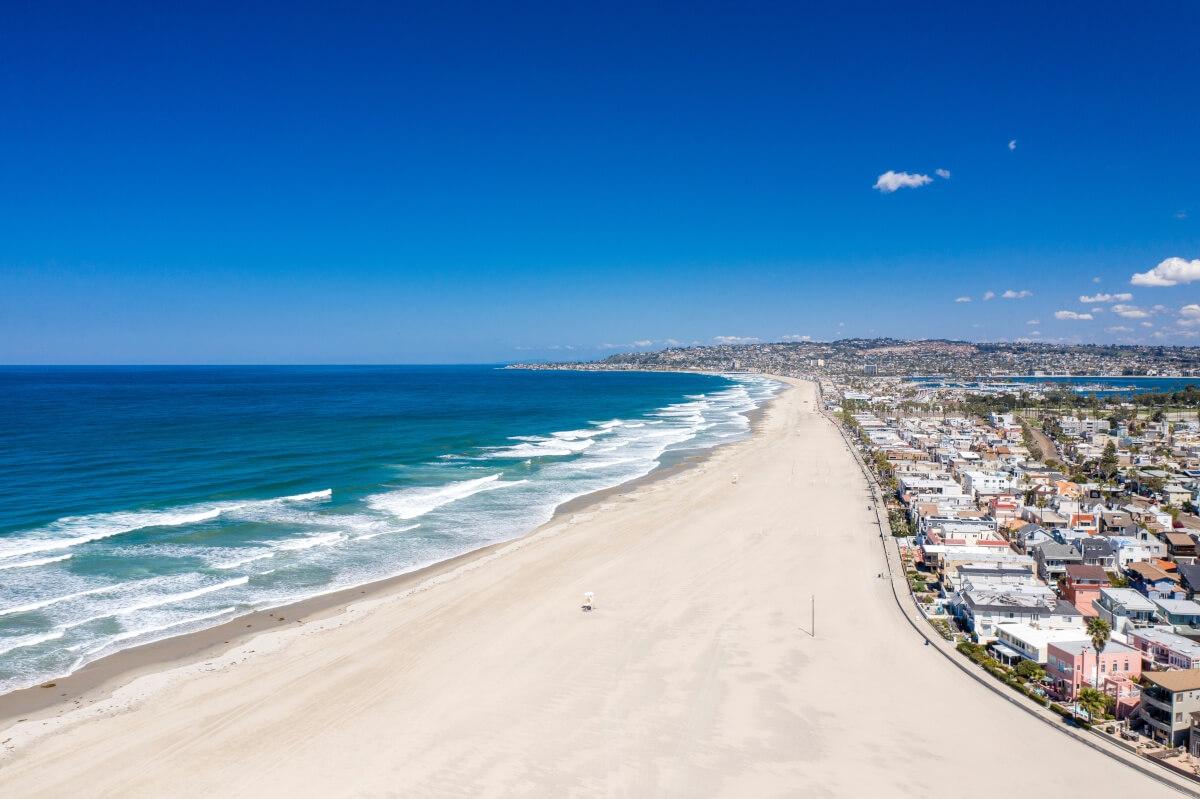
[1030, 671]
[1096, 703]
[1108, 461]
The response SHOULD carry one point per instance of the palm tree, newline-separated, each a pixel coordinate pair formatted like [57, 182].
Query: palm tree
[1099, 631]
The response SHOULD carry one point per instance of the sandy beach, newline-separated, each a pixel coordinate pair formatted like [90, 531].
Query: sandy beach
[697, 675]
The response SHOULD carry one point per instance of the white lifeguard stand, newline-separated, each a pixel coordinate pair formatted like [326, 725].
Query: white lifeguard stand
[589, 601]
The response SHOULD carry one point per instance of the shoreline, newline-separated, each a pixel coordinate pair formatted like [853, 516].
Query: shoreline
[700, 673]
[101, 678]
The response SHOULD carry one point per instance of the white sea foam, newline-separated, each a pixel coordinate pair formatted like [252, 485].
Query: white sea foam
[233, 564]
[45, 603]
[410, 503]
[72, 531]
[369, 536]
[308, 542]
[9, 644]
[25, 564]
[171, 599]
[125, 636]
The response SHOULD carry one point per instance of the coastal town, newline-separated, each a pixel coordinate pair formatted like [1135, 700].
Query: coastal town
[896, 357]
[1056, 548]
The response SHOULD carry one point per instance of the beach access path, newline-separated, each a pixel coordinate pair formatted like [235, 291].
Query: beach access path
[699, 673]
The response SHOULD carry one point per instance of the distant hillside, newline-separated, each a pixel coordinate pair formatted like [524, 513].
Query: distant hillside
[888, 356]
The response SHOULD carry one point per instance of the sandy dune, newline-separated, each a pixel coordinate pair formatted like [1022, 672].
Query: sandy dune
[696, 675]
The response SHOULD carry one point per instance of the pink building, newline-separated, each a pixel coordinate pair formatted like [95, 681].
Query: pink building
[1071, 665]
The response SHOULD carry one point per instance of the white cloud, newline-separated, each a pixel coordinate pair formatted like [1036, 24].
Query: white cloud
[1169, 272]
[1146, 324]
[645, 342]
[1181, 214]
[1072, 315]
[1012, 144]
[1035, 332]
[735, 339]
[672, 342]
[989, 295]
[889, 181]
[1119, 329]
[1017, 295]
[1088, 299]
[1190, 310]
[942, 173]
[795, 337]
[1034, 322]
[963, 298]
[1130, 311]
[1096, 279]
[1097, 309]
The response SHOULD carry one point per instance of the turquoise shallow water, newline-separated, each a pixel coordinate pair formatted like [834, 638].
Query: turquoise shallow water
[139, 503]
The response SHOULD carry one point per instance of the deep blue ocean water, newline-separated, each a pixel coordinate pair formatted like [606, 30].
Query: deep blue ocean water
[139, 503]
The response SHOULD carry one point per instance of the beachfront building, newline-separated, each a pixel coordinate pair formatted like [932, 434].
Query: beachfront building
[1070, 665]
[1124, 609]
[1169, 699]
[984, 611]
[1017, 642]
[1163, 649]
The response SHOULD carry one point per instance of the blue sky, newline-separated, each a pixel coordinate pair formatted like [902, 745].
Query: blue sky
[387, 183]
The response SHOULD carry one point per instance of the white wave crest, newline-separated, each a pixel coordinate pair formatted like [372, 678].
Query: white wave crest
[410, 503]
[72, 531]
[171, 599]
[125, 636]
[9, 644]
[45, 603]
[25, 564]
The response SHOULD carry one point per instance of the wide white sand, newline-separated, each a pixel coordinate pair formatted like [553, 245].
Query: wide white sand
[696, 675]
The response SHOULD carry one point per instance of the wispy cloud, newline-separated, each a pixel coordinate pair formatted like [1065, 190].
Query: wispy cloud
[1169, 272]
[1119, 329]
[795, 337]
[1016, 295]
[736, 339]
[1089, 299]
[890, 181]
[1192, 310]
[963, 298]
[1012, 144]
[942, 173]
[989, 295]
[1130, 311]
[1072, 315]
[1181, 214]
[1034, 322]
[644, 342]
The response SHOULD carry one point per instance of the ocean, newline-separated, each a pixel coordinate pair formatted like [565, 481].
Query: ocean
[141, 503]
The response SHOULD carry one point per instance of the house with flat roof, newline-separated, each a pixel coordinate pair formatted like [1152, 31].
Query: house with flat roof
[984, 611]
[1163, 649]
[1021, 641]
[1178, 612]
[1124, 609]
[1070, 665]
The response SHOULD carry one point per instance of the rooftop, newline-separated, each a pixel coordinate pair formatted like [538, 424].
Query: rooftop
[1175, 679]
